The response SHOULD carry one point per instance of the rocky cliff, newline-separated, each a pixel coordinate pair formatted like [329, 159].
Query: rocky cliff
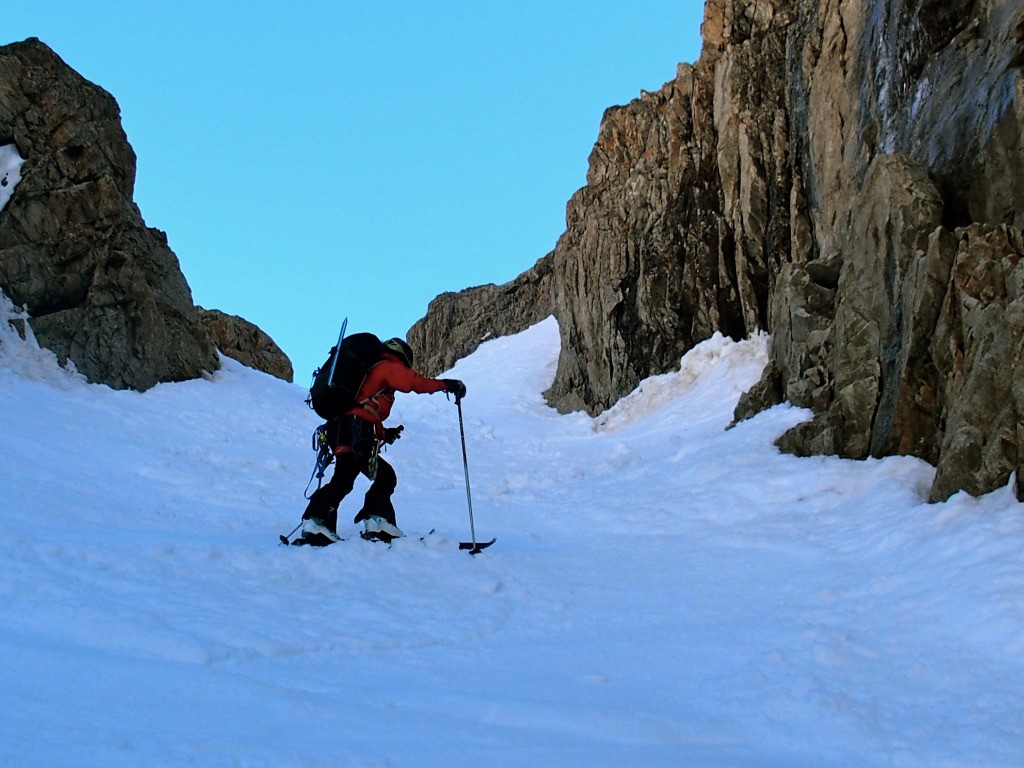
[247, 343]
[102, 289]
[847, 175]
[900, 325]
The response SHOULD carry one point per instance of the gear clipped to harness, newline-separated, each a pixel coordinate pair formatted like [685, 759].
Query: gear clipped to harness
[336, 383]
[324, 457]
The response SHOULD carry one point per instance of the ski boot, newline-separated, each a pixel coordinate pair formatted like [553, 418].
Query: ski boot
[378, 529]
[316, 533]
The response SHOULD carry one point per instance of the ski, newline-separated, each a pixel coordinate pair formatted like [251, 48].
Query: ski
[320, 540]
[385, 539]
[477, 546]
[313, 540]
[378, 536]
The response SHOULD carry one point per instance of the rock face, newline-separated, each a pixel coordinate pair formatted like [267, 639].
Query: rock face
[240, 340]
[846, 175]
[658, 253]
[900, 328]
[456, 323]
[102, 289]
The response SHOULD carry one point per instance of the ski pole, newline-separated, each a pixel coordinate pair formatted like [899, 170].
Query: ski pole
[465, 466]
[474, 546]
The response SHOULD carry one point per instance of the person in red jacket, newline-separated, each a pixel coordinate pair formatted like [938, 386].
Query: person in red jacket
[356, 437]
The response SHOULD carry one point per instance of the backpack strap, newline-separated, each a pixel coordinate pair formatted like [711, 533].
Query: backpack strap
[371, 403]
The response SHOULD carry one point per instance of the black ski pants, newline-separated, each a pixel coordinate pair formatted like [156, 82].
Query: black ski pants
[324, 504]
[348, 465]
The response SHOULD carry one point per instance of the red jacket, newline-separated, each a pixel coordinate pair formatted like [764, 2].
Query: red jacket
[385, 378]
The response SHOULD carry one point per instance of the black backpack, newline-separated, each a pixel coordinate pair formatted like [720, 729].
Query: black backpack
[336, 383]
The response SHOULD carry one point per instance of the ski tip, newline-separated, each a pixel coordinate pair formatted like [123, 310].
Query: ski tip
[284, 539]
[477, 547]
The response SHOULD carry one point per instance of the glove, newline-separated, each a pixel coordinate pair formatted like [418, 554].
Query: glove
[392, 433]
[456, 387]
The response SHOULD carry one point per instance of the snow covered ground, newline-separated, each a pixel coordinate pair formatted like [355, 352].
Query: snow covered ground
[663, 592]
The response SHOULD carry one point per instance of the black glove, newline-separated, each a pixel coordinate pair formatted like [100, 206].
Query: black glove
[456, 387]
[392, 433]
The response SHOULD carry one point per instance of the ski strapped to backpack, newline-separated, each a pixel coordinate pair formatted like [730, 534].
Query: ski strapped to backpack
[335, 387]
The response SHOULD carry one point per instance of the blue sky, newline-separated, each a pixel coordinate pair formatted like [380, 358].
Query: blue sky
[311, 161]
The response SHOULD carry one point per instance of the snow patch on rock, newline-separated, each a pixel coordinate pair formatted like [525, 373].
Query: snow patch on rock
[21, 355]
[10, 172]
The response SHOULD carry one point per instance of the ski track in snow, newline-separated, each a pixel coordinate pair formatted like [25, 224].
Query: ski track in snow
[663, 591]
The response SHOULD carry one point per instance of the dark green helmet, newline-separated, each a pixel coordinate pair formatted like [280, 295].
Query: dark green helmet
[399, 347]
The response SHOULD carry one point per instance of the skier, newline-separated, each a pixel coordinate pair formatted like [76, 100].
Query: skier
[355, 439]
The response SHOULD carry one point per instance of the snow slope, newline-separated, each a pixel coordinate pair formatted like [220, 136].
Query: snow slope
[663, 592]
